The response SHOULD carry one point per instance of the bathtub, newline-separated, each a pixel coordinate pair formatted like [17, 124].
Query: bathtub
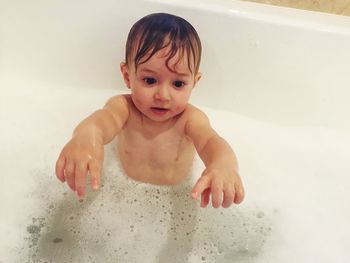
[275, 85]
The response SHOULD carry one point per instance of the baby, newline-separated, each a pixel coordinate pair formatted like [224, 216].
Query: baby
[158, 130]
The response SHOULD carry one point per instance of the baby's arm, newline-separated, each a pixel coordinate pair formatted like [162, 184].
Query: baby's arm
[84, 152]
[220, 178]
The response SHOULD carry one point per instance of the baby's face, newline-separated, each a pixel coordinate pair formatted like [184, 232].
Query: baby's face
[160, 93]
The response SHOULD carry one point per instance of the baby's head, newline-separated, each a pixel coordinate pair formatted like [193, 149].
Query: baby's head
[158, 31]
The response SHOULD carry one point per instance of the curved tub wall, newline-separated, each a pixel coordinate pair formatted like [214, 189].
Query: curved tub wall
[275, 85]
[263, 49]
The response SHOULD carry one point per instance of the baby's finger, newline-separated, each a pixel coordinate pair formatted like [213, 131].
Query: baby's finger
[95, 174]
[239, 196]
[80, 179]
[205, 198]
[229, 195]
[216, 192]
[202, 184]
[69, 174]
[60, 168]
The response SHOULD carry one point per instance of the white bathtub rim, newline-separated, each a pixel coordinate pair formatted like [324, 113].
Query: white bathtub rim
[312, 20]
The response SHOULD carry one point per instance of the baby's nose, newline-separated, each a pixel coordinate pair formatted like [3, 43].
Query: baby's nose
[163, 93]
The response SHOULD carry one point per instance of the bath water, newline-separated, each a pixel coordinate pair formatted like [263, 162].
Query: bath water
[294, 180]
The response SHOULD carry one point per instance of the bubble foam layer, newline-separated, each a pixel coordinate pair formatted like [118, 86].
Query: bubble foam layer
[128, 221]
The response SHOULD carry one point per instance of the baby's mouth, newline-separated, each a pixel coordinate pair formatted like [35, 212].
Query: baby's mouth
[159, 110]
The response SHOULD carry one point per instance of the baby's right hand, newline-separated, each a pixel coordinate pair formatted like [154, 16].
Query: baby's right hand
[79, 157]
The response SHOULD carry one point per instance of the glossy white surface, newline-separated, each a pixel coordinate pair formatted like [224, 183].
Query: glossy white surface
[275, 85]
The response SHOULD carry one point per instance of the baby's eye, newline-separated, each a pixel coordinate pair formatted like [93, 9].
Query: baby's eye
[150, 81]
[178, 83]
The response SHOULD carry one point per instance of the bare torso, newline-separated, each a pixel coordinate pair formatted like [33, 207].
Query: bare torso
[155, 152]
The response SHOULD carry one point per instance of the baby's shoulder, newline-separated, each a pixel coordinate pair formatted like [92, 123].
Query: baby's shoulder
[192, 111]
[118, 106]
[121, 101]
[120, 98]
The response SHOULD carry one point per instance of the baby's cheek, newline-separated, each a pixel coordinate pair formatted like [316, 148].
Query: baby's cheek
[137, 98]
[180, 107]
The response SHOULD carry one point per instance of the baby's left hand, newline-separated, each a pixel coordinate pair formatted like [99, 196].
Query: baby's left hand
[224, 186]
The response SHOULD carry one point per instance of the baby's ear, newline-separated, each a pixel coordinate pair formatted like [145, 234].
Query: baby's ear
[125, 72]
[197, 78]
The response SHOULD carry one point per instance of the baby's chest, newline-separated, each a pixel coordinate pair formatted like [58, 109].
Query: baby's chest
[165, 145]
[158, 143]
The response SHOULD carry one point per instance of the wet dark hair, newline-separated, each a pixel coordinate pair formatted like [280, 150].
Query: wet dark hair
[160, 30]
